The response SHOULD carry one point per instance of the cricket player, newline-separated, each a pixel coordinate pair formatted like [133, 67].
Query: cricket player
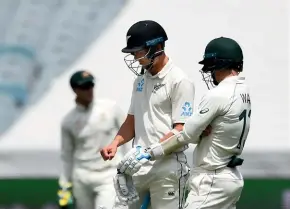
[161, 102]
[84, 131]
[216, 182]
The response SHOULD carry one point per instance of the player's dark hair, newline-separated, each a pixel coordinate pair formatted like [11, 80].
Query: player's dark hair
[236, 66]
[162, 45]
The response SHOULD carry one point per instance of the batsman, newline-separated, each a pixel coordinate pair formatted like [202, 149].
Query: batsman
[161, 102]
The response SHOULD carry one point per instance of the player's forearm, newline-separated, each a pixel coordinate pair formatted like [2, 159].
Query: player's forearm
[122, 139]
[178, 127]
[194, 127]
[126, 132]
[172, 144]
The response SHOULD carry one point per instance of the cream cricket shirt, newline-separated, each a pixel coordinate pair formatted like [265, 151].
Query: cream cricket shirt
[160, 101]
[85, 132]
[227, 108]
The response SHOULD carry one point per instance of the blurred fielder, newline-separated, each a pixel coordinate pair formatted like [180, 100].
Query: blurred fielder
[215, 183]
[161, 102]
[85, 129]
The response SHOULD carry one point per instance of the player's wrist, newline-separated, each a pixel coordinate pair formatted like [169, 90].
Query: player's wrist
[156, 151]
[65, 184]
[116, 142]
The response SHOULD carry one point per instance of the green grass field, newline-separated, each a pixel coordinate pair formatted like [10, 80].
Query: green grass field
[34, 193]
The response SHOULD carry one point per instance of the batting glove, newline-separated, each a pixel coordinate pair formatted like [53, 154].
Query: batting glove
[134, 160]
[125, 189]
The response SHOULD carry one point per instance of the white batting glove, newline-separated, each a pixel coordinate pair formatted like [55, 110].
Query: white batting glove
[125, 189]
[134, 160]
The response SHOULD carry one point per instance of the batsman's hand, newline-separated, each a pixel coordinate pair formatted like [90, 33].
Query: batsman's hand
[109, 151]
[65, 197]
[207, 131]
[134, 160]
[125, 189]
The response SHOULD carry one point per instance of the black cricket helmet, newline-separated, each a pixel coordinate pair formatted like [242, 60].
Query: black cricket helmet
[220, 53]
[143, 35]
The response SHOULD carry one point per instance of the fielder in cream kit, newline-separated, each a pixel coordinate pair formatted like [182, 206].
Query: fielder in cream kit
[215, 181]
[85, 129]
[161, 101]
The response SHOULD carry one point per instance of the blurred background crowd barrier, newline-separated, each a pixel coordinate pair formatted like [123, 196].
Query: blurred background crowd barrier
[43, 41]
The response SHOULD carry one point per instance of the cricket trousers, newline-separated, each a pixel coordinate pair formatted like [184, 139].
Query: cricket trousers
[164, 181]
[219, 189]
[94, 189]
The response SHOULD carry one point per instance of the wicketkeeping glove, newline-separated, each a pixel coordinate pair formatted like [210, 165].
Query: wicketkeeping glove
[134, 160]
[125, 188]
[65, 197]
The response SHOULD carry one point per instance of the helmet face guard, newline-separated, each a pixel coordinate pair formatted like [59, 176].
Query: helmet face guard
[134, 64]
[213, 64]
[209, 79]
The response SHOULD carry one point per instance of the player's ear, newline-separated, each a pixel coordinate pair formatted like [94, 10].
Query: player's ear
[159, 47]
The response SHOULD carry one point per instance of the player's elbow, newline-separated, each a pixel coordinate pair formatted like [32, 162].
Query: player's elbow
[190, 138]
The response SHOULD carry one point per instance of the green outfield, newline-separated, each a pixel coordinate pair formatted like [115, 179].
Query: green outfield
[36, 193]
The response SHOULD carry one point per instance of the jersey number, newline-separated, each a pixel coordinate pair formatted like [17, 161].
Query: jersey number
[243, 116]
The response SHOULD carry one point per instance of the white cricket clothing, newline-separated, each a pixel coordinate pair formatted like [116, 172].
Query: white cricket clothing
[94, 190]
[219, 189]
[85, 131]
[227, 108]
[164, 190]
[157, 103]
[160, 101]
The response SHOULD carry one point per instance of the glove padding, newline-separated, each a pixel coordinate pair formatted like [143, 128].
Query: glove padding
[125, 189]
[134, 160]
[65, 197]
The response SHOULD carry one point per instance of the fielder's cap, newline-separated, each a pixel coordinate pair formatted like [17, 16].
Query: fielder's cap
[80, 78]
[144, 34]
[223, 48]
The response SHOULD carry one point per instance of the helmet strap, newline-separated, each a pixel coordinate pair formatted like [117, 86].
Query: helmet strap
[215, 82]
[153, 52]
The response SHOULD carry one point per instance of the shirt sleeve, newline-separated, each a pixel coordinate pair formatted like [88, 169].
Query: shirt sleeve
[131, 108]
[209, 108]
[67, 149]
[182, 98]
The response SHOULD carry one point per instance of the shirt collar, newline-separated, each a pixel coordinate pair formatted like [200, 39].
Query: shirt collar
[162, 73]
[233, 79]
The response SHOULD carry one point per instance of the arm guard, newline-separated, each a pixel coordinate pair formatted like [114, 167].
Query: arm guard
[168, 146]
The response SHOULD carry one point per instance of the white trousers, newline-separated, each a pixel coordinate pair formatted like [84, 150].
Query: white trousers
[165, 182]
[219, 189]
[94, 189]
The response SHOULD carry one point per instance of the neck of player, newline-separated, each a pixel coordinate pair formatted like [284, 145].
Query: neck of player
[159, 64]
[82, 102]
[223, 74]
